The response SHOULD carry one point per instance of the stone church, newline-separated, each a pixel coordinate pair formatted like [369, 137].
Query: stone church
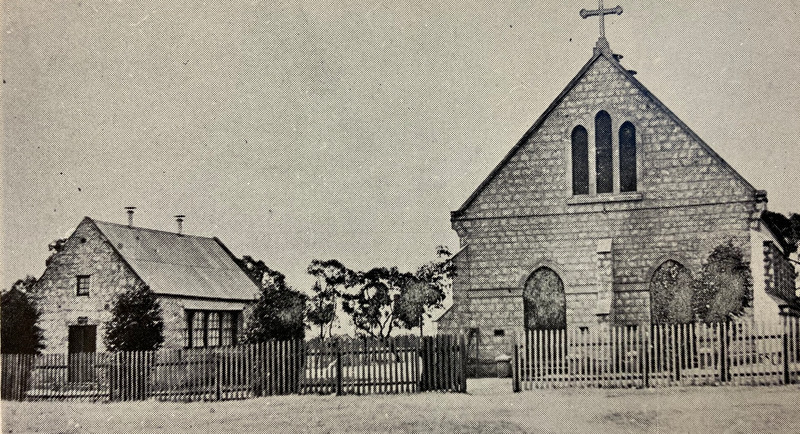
[604, 189]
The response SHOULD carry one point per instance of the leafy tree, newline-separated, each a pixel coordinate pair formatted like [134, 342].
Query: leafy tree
[331, 276]
[136, 323]
[260, 273]
[413, 303]
[322, 309]
[19, 315]
[786, 227]
[671, 294]
[724, 286]
[433, 281]
[56, 246]
[373, 306]
[279, 311]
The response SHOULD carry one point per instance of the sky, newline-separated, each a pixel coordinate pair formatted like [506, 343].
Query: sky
[295, 130]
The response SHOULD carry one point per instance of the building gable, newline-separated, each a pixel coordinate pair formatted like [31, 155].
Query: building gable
[85, 251]
[674, 165]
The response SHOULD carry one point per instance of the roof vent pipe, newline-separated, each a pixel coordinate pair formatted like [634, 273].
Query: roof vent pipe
[130, 214]
[179, 219]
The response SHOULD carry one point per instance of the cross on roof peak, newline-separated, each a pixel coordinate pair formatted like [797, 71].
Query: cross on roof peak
[602, 43]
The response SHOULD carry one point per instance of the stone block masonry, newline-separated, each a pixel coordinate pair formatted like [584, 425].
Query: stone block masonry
[87, 253]
[687, 202]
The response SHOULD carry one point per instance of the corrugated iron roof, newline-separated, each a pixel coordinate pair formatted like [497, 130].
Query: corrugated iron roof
[181, 265]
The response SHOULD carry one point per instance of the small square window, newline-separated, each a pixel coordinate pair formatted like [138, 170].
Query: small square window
[499, 332]
[83, 286]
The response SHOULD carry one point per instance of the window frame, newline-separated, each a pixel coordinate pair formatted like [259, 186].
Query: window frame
[587, 121]
[83, 285]
[198, 322]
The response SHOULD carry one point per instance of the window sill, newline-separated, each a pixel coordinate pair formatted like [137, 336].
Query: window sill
[605, 198]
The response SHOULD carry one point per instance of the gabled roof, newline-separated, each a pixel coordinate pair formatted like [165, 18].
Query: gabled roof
[179, 265]
[629, 76]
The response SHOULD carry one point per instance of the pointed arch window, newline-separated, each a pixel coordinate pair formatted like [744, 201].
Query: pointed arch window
[627, 157]
[604, 155]
[580, 160]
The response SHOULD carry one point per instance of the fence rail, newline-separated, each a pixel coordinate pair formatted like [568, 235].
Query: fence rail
[738, 353]
[404, 364]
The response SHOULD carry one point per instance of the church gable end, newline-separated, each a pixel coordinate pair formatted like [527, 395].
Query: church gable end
[606, 138]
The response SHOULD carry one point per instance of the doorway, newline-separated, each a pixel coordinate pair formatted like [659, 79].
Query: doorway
[81, 353]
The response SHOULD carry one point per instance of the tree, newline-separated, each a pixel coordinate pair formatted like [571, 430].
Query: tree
[136, 323]
[56, 246]
[787, 228]
[260, 273]
[19, 315]
[279, 311]
[724, 286]
[433, 281]
[373, 306]
[331, 276]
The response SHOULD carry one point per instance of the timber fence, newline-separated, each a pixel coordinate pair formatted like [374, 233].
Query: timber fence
[736, 353]
[405, 364]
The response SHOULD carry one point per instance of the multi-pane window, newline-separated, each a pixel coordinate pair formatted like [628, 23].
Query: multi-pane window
[211, 328]
[198, 329]
[227, 328]
[83, 285]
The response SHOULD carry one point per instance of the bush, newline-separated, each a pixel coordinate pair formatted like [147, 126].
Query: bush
[725, 285]
[19, 333]
[136, 323]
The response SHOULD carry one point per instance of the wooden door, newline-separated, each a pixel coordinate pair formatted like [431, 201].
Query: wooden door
[82, 346]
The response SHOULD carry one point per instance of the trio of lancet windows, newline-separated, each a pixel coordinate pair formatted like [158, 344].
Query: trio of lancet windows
[603, 172]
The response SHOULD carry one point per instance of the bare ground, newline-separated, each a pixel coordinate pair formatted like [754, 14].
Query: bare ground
[489, 407]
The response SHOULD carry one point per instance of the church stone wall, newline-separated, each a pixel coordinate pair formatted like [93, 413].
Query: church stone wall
[687, 202]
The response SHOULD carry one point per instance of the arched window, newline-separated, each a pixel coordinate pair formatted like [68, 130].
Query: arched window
[604, 155]
[544, 301]
[580, 160]
[671, 294]
[627, 157]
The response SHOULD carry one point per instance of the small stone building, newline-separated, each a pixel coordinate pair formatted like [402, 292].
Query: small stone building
[606, 187]
[203, 293]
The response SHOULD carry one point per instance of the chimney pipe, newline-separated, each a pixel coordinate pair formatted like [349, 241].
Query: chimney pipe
[130, 214]
[179, 219]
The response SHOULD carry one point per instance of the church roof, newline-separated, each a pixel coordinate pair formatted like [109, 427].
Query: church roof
[629, 76]
[179, 265]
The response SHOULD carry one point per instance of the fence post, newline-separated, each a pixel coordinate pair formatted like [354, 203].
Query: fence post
[646, 356]
[338, 370]
[785, 355]
[463, 345]
[515, 382]
[723, 352]
[217, 373]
